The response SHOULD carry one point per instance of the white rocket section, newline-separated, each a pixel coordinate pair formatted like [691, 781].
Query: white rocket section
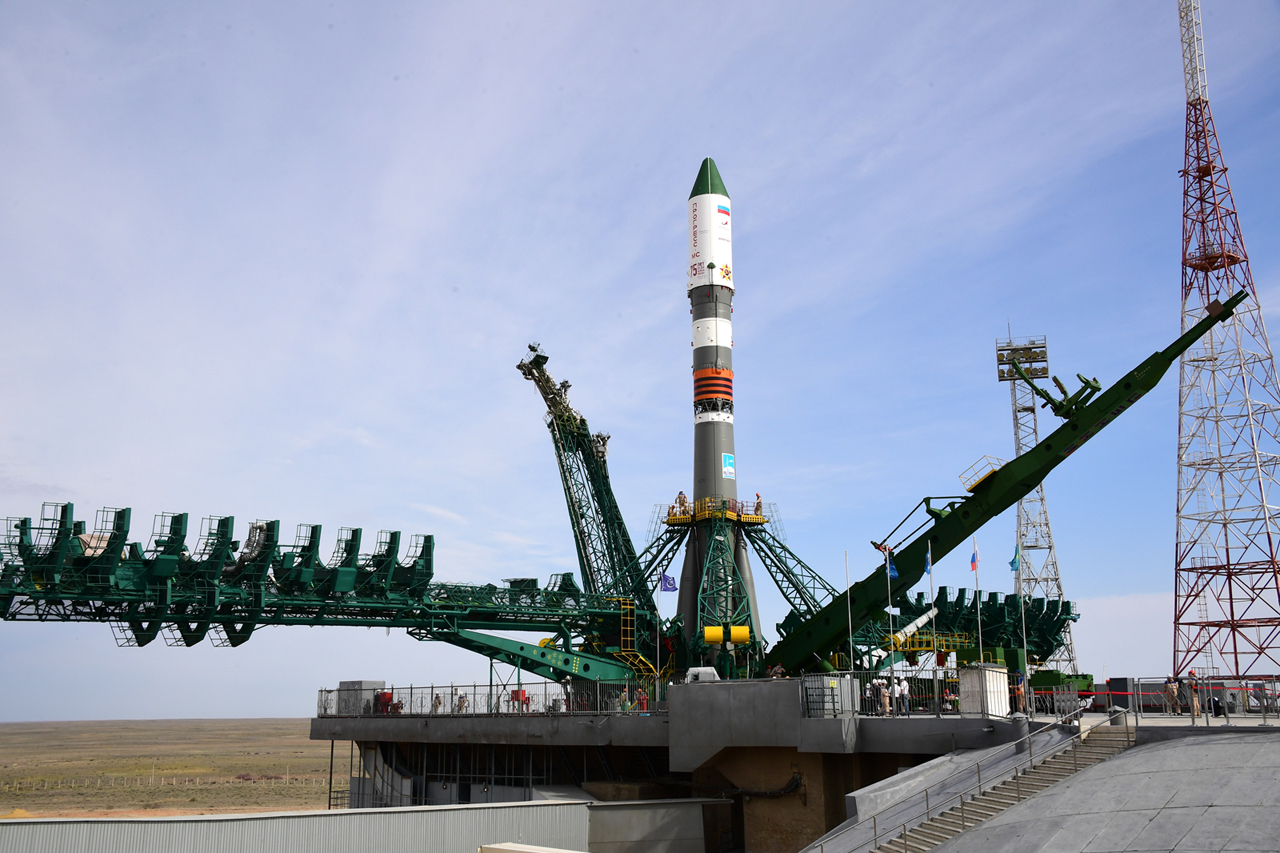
[713, 417]
[920, 622]
[712, 332]
[900, 637]
[710, 240]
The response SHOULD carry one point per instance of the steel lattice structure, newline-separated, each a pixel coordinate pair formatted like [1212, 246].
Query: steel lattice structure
[1037, 572]
[1227, 582]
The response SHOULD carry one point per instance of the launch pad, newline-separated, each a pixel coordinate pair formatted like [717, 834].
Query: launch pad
[779, 753]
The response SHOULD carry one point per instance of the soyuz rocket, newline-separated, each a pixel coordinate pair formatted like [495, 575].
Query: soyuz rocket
[710, 291]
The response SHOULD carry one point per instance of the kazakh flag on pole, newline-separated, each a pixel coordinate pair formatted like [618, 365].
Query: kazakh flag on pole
[1016, 562]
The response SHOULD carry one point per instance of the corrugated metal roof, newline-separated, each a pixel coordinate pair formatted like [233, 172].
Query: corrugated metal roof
[438, 829]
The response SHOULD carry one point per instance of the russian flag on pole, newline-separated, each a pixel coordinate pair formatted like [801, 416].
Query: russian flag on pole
[976, 558]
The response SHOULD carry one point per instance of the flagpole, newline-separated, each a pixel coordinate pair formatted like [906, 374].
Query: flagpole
[848, 606]
[888, 582]
[657, 640]
[1016, 564]
[933, 623]
[977, 595]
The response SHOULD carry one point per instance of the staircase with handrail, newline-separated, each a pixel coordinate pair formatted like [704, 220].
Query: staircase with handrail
[1012, 782]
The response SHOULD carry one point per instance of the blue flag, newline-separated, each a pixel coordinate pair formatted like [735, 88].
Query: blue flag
[893, 570]
[928, 562]
[1017, 558]
[667, 584]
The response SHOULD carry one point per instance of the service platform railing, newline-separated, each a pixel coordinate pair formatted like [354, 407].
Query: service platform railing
[748, 511]
[545, 698]
[922, 692]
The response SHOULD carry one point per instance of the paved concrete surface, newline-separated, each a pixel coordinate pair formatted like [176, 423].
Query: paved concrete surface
[1218, 792]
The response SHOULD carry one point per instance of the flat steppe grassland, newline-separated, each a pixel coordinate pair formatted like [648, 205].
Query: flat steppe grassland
[135, 768]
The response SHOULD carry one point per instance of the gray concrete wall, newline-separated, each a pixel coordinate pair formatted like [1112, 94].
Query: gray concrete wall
[647, 826]
[644, 826]
[441, 829]
[921, 735]
[718, 714]
[529, 731]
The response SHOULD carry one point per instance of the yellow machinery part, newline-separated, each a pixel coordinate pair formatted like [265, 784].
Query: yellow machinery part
[714, 635]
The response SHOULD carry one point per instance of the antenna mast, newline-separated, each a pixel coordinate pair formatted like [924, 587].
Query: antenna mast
[1227, 581]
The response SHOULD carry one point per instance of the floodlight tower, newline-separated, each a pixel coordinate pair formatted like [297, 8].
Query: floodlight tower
[1227, 581]
[1037, 572]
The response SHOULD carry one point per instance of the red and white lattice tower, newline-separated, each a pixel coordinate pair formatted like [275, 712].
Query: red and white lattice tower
[1227, 582]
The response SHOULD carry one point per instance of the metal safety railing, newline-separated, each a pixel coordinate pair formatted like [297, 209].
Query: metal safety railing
[942, 801]
[1209, 697]
[546, 698]
[685, 511]
[920, 692]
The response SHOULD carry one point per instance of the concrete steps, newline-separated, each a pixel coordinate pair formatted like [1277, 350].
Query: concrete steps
[1099, 744]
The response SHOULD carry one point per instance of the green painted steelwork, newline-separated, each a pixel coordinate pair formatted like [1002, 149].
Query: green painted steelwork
[606, 554]
[808, 646]
[801, 587]
[708, 180]
[55, 570]
[722, 594]
[1002, 623]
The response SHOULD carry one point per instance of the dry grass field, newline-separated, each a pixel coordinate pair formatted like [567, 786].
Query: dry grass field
[162, 767]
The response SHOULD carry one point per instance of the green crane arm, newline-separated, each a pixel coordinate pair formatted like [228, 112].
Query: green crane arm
[606, 554]
[809, 643]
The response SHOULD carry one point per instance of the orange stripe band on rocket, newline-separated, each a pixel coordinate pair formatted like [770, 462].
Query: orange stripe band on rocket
[712, 384]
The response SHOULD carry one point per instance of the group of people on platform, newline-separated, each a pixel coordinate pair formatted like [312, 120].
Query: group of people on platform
[1178, 689]
[888, 697]
[681, 505]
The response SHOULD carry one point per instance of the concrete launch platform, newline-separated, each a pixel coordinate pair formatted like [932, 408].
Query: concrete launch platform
[782, 762]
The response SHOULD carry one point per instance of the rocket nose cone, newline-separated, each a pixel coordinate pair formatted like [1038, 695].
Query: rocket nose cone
[708, 180]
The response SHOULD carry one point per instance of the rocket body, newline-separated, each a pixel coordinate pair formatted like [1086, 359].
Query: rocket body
[715, 471]
[710, 289]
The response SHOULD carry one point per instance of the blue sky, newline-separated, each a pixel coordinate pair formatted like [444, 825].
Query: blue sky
[280, 262]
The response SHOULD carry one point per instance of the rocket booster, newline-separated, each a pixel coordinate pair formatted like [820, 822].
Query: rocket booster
[711, 302]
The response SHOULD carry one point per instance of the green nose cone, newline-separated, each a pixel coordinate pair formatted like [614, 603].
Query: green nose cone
[709, 180]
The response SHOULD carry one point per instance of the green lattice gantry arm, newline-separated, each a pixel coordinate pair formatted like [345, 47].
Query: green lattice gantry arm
[55, 570]
[810, 642]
